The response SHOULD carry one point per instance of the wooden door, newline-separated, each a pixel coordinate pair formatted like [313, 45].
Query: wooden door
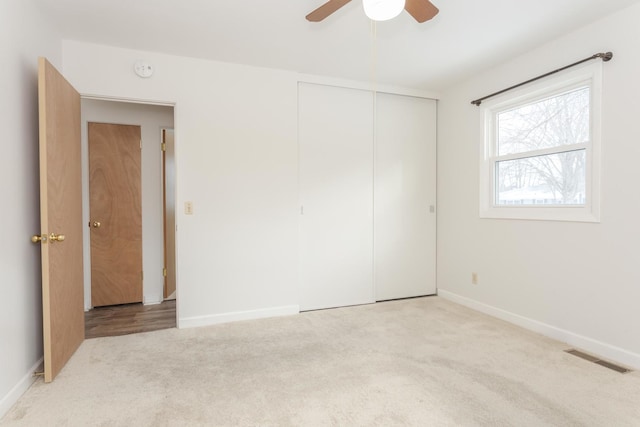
[336, 193]
[61, 218]
[115, 204]
[169, 215]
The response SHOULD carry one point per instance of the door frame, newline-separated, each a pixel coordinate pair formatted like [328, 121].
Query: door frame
[168, 154]
[85, 194]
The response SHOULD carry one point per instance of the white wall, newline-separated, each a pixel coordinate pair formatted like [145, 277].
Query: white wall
[236, 160]
[24, 35]
[577, 282]
[151, 119]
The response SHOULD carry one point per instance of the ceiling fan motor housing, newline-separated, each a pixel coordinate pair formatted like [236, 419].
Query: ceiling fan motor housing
[382, 10]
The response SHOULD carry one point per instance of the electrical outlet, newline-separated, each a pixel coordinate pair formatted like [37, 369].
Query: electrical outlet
[474, 278]
[188, 208]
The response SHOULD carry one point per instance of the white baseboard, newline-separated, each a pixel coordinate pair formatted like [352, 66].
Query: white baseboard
[18, 390]
[598, 348]
[152, 300]
[214, 319]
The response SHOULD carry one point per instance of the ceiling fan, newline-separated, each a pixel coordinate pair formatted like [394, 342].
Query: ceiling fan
[421, 10]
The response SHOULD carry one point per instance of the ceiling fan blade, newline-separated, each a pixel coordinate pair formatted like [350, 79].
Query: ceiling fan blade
[421, 10]
[325, 10]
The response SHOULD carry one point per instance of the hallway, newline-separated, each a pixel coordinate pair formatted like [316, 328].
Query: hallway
[129, 319]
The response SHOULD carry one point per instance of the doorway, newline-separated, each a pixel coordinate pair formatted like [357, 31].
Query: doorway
[151, 119]
[128, 319]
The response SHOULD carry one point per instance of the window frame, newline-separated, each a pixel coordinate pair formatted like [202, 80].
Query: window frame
[588, 75]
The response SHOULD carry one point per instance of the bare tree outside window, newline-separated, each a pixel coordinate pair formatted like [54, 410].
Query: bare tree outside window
[541, 151]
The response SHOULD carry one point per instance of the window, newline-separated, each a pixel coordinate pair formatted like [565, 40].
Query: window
[540, 150]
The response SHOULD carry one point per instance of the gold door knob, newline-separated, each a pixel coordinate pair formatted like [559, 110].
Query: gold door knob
[96, 224]
[56, 237]
[36, 238]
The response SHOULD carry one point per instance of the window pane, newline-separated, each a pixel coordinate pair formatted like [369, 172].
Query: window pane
[555, 179]
[556, 121]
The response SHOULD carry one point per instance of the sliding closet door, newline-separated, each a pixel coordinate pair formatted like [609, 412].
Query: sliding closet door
[405, 197]
[336, 194]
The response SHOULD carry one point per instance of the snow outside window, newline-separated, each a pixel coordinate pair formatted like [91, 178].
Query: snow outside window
[540, 150]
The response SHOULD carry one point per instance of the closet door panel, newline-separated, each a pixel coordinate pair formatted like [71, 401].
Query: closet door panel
[405, 197]
[336, 195]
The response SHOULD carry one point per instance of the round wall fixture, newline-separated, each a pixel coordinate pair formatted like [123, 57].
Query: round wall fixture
[143, 69]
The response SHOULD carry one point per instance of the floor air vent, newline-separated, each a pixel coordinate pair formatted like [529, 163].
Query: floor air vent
[594, 359]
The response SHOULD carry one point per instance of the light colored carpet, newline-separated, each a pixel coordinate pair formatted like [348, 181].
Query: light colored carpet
[420, 362]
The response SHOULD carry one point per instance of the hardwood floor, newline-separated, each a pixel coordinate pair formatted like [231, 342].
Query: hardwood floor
[129, 319]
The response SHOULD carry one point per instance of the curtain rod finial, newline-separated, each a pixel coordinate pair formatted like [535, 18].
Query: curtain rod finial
[605, 56]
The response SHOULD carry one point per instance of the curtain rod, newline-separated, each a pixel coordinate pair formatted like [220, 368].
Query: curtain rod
[606, 57]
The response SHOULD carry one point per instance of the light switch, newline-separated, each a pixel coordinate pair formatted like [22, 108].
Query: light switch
[188, 208]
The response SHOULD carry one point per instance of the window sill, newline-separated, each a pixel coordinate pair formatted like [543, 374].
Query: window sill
[572, 214]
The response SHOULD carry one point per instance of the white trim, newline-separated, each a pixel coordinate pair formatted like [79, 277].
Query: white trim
[10, 399]
[558, 149]
[354, 84]
[590, 75]
[153, 300]
[599, 348]
[215, 319]
[97, 97]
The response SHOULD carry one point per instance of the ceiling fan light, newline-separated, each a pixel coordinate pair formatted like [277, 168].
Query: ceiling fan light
[382, 10]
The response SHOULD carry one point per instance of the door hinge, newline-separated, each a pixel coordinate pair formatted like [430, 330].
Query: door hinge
[142, 275]
[163, 146]
[141, 144]
[164, 272]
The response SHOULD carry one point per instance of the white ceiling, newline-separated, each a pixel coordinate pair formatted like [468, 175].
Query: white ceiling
[465, 37]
